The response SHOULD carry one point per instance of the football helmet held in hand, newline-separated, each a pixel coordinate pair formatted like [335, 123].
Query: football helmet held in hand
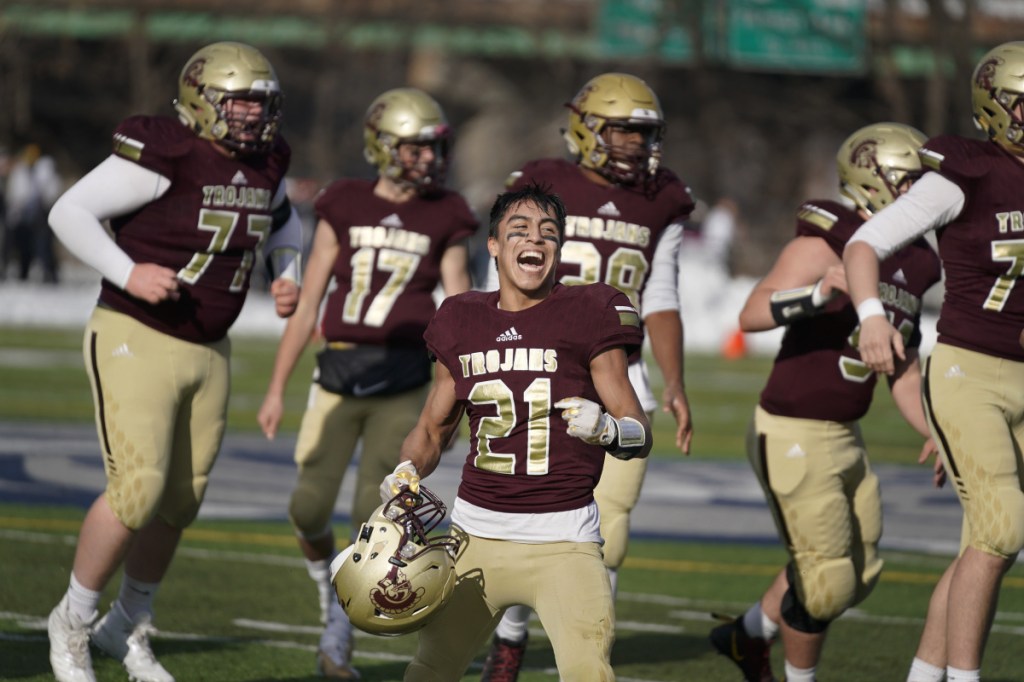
[606, 102]
[407, 116]
[394, 578]
[876, 162]
[997, 89]
[222, 72]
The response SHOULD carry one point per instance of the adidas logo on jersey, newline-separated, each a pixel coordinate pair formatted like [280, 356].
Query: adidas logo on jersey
[239, 179]
[122, 351]
[609, 209]
[899, 277]
[391, 221]
[509, 334]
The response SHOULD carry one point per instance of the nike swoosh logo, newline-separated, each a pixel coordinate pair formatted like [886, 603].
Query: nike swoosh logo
[359, 391]
[736, 655]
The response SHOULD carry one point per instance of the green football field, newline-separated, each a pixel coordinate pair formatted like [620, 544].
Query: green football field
[238, 605]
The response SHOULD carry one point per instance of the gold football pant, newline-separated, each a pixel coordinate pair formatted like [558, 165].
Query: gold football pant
[161, 406]
[331, 427]
[826, 504]
[564, 582]
[975, 408]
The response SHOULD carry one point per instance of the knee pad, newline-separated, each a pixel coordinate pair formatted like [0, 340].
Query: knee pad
[796, 616]
[825, 587]
[135, 497]
[310, 509]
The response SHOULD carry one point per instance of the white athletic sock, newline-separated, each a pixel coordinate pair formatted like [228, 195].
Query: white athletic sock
[82, 601]
[320, 572]
[759, 625]
[613, 576]
[794, 674]
[922, 671]
[958, 675]
[513, 624]
[136, 596]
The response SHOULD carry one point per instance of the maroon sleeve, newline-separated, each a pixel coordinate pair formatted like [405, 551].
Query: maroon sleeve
[155, 143]
[617, 322]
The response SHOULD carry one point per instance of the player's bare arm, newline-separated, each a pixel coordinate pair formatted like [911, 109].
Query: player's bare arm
[879, 341]
[455, 269]
[437, 423]
[665, 331]
[905, 386]
[805, 262]
[300, 326]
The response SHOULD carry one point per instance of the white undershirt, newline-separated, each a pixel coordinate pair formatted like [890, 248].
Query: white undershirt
[117, 187]
[932, 201]
[574, 525]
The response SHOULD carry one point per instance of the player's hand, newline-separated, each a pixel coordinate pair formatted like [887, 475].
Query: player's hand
[152, 283]
[269, 416]
[674, 402]
[587, 421]
[834, 282]
[403, 477]
[929, 449]
[879, 341]
[286, 296]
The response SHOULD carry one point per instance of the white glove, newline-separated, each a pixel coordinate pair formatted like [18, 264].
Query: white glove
[404, 476]
[588, 421]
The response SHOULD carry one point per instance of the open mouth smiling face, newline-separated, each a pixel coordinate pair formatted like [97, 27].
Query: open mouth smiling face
[527, 247]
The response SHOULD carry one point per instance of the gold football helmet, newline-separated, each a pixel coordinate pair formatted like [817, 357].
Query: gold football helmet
[997, 95]
[228, 71]
[393, 578]
[407, 116]
[876, 161]
[616, 100]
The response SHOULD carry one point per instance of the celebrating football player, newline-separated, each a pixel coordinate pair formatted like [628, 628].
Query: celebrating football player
[805, 444]
[974, 379]
[624, 228]
[190, 202]
[545, 402]
[386, 243]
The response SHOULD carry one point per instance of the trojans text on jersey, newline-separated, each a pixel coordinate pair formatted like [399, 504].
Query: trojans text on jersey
[514, 359]
[612, 230]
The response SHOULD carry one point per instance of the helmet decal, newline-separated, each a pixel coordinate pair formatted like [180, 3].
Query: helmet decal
[395, 594]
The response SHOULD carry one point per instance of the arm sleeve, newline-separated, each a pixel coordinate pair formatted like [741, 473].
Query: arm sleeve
[662, 290]
[115, 187]
[932, 202]
[284, 245]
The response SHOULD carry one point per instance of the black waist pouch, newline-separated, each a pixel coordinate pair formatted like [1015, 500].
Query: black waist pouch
[362, 371]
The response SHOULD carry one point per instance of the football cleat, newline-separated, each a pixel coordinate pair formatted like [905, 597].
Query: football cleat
[127, 640]
[752, 655]
[334, 656]
[503, 660]
[69, 645]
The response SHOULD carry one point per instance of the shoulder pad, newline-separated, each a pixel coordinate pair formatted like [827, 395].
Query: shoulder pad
[956, 157]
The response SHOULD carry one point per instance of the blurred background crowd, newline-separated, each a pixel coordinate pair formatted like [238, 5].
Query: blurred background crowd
[757, 94]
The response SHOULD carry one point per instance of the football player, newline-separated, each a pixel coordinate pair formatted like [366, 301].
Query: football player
[190, 201]
[624, 227]
[974, 379]
[386, 243]
[804, 444]
[545, 404]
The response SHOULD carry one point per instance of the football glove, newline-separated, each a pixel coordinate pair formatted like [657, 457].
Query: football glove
[404, 477]
[588, 421]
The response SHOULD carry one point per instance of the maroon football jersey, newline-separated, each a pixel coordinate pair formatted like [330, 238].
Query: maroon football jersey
[983, 249]
[510, 368]
[206, 227]
[389, 261]
[818, 373]
[611, 231]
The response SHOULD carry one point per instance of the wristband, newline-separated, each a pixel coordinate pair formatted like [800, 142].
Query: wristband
[790, 305]
[870, 307]
[630, 438]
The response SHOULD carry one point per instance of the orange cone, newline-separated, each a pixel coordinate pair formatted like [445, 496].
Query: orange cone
[735, 346]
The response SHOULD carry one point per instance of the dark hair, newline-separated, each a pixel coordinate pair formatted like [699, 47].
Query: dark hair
[534, 193]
